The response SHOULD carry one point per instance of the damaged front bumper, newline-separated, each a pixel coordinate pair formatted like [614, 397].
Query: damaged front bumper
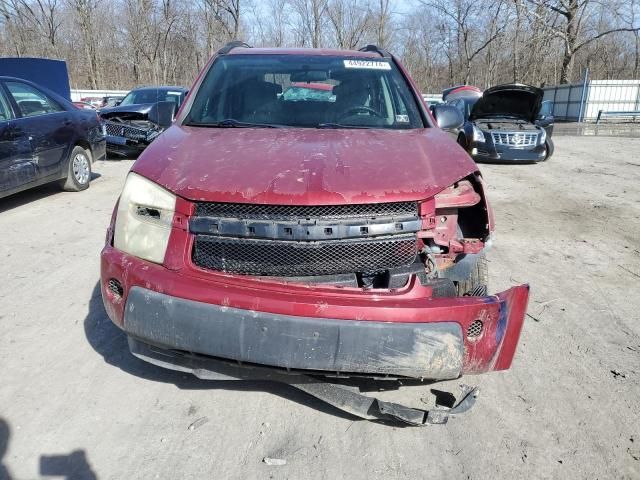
[124, 138]
[407, 333]
[346, 398]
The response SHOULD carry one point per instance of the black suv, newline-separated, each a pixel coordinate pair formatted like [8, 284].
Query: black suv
[507, 123]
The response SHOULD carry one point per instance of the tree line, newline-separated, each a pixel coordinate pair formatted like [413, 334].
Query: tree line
[118, 44]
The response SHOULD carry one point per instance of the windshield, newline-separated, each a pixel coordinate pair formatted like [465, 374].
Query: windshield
[152, 95]
[546, 109]
[304, 91]
[468, 105]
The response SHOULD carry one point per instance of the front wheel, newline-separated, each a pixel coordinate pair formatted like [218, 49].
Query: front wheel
[549, 147]
[476, 284]
[78, 171]
[462, 141]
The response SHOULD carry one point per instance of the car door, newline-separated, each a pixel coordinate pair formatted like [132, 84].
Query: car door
[16, 166]
[48, 125]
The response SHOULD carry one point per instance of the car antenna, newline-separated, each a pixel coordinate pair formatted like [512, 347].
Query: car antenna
[375, 48]
[231, 45]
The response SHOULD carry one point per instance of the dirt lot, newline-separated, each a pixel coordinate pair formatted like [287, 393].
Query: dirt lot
[78, 405]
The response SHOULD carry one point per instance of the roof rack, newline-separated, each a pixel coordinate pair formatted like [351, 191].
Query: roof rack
[375, 48]
[231, 45]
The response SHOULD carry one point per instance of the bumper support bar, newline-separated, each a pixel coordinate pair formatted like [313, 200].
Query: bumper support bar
[341, 397]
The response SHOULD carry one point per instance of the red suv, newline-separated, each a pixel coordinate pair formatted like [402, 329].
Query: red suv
[336, 234]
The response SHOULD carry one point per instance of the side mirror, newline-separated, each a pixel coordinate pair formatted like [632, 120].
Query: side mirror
[448, 117]
[117, 102]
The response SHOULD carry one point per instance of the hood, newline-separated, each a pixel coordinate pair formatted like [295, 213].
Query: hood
[161, 113]
[44, 72]
[142, 108]
[521, 101]
[303, 166]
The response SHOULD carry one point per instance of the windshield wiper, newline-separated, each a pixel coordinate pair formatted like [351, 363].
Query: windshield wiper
[339, 125]
[232, 123]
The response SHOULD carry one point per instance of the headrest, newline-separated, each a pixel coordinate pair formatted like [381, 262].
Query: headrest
[31, 106]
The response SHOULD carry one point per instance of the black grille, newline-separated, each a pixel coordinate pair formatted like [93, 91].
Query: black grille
[285, 258]
[297, 212]
[122, 130]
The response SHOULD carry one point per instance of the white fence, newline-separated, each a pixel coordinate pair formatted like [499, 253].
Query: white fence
[76, 95]
[583, 101]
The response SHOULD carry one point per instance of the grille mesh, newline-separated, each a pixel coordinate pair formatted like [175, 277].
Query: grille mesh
[269, 212]
[282, 258]
[122, 130]
[115, 287]
[474, 330]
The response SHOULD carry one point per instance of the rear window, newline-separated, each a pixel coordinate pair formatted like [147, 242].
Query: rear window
[305, 91]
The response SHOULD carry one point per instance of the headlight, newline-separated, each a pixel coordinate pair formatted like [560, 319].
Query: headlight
[478, 135]
[543, 136]
[143, 221]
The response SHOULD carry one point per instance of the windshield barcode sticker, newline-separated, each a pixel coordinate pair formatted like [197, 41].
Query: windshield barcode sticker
[368, 64]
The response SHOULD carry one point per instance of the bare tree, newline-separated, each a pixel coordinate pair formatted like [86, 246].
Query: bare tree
[469, 20]
[351, 20]
[86, 18]
[123, 43]
[383, 23]
[573, 31]
[312, 21]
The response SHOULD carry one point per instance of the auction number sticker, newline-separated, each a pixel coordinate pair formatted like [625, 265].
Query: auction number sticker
[367, 64]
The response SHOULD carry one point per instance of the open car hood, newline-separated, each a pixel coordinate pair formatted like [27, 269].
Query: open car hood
[515, 100]
[161, 113]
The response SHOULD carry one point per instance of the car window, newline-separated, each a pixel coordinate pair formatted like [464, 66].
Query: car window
[137, 97]
[31, 101]
[546, 108]
[305, 91]
[5, 111]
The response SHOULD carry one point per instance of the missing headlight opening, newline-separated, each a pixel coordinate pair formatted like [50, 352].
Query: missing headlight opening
[457, 227]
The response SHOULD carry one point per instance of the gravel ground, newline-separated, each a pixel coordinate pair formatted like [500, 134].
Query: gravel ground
[74, 403]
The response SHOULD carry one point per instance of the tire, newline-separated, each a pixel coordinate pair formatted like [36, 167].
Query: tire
[78, 171]
[550, 147]
[462, 141]
[478, 281]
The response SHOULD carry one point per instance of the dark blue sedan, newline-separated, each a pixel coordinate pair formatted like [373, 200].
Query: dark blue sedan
[45, 138]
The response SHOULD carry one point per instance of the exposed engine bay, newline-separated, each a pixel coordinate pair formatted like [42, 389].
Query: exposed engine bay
[506, 125]
[137, 126]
